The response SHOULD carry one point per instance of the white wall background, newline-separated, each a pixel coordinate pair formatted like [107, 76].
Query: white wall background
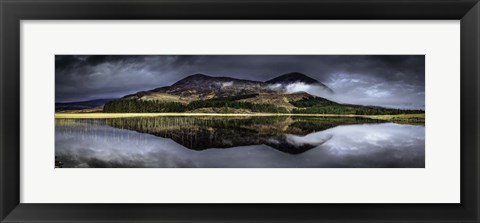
[438, 182]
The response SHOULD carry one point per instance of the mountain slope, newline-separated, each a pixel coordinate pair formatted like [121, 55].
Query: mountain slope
[285, 80]
[201, 93]
[293, 77]
[80, 105]
[201, 87]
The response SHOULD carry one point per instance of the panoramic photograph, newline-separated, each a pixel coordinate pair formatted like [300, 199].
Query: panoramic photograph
[239, 111]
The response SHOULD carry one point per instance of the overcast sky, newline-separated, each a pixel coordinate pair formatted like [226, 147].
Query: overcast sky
[390, 81]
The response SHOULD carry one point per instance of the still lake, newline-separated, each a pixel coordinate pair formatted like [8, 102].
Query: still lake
[238, 142]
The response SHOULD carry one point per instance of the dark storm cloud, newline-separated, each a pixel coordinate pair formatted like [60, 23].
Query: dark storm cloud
[393, 81]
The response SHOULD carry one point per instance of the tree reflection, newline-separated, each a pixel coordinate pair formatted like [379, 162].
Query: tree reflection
[200, 133]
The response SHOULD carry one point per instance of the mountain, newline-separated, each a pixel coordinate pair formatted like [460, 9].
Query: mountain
[242, 94]
[81, 105]
[295, 78]
[202, 87]
[204, 80]
[200, 93]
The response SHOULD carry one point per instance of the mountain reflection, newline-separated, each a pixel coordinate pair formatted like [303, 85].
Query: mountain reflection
[237, 142]
[200, 133]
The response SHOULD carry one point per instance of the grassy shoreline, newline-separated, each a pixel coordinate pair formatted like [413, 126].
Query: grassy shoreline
[398, 118]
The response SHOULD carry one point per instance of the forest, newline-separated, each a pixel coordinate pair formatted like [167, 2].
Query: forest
[310, 105]
[315, 105]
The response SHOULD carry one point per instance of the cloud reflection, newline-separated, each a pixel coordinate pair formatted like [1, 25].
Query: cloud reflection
[367, 145]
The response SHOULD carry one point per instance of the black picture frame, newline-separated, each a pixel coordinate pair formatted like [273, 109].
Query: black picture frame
[13, 11]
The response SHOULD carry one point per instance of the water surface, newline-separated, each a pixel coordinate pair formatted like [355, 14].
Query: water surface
[219, 142]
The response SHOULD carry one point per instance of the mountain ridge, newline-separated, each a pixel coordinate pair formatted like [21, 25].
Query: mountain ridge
[201, 93]
[80, 105]
[297, 77]
[201, 87]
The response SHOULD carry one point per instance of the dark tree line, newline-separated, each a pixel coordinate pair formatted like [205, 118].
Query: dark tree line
[323, 106]
[254, 107]
[141, 106]
[311, 105]
[312, 101]
[353, 110]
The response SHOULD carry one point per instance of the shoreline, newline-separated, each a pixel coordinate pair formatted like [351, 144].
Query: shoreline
[132, 115]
